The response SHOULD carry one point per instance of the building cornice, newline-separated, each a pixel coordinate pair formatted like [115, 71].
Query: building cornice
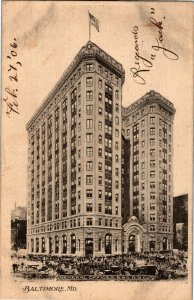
[89, 51]
[150, 97]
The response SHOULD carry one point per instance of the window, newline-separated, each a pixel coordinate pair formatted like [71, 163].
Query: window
[116, 184]
[100, 125]
[89, 179]
[89, 123]
[89, 81]
[89, 221]
[89, 95]
[89, 207]
[100, 83]
[100, 180]
[143, 143]
[100, 139]
[117, 107]
[152, 120]
[152, 195]
[152, 206]
[89, 109]
[100, 111]
[116, 158]
[152, 108]
[152, 131]
[116, 210]
[116, 132]
[89, 151]
[143, 123]
[152, 217]
[100, 97]
[116, 94]
[142, 175]
[89, 166]
[89, 137]
[152, 152]
[100, 207]
[152, 163]
[152, 228]
[89, 67]
[100, 194]
[100, 152]
[116, 145]
[116, 120]
[117, 172]
[143, 165]
[99, 223]
[99, 166]
[89, 193]
[152, 142]
[117, 197]
[152, 174]
[152, 185]
[106, 73]
[117, 80]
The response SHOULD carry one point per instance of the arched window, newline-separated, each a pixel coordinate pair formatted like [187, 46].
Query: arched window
[32, 245]
[43, 245]
[64, 240]
[73, 244]
[165, 242]
[108, 244]
[50, 245]
[99, 244]
[56, 244]
[37, 245]
[116, 245]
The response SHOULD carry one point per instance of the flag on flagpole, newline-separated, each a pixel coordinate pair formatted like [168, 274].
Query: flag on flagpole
[93, 21]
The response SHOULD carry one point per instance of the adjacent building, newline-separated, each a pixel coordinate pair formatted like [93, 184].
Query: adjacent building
[18, 227]
[148, 152]
[180, 222]
[99, 175]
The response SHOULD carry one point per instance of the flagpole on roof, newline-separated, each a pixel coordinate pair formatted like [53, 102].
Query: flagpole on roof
[89, 25]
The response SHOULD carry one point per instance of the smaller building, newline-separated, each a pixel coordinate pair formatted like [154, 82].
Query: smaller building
[19, 213]
[180, 222]
[18, 234]
[18, 227]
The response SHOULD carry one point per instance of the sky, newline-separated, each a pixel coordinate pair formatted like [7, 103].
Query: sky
[50, 34]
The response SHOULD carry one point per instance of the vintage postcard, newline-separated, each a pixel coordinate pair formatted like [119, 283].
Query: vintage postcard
[96, 152]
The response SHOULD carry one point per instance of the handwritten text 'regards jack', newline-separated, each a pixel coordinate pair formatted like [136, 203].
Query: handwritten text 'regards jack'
[11, 91]
[144, 64]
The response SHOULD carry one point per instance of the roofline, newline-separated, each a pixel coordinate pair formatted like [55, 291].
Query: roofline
[104, 57]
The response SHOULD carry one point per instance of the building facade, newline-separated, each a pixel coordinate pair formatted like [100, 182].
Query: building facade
[148, 128]
[74, 155]
[99, 175]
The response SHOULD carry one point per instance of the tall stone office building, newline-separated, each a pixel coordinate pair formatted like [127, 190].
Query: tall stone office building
[148, 168]
[99, 174]
[74, 184]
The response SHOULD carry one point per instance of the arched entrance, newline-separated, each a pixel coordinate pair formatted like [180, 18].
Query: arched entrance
[131, 247]
[133, 236]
